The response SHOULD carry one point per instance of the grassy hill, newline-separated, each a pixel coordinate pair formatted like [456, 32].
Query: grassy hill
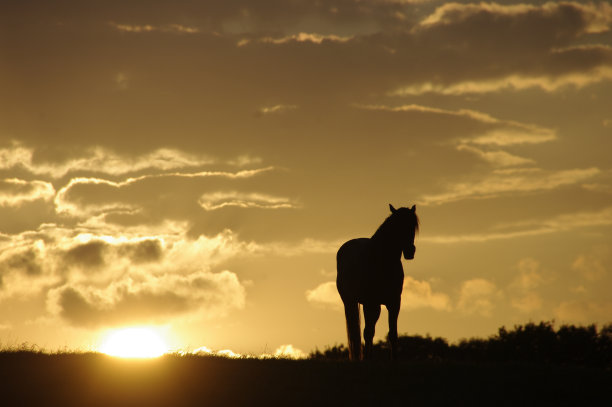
[87, 379]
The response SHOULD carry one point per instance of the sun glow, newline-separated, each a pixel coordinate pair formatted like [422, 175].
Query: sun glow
[134, 342]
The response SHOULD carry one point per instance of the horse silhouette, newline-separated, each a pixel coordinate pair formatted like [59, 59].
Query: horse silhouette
[370, 273]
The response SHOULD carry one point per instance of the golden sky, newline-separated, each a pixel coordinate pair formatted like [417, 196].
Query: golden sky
[194, 166]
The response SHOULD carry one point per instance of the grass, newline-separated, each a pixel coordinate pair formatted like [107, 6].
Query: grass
[34, 378]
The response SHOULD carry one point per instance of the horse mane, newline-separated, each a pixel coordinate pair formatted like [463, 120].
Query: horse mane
[389, 226]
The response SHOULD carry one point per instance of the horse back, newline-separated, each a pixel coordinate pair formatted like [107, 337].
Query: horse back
[364, 274]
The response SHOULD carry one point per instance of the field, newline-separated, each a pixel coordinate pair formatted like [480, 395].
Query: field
[89, 379]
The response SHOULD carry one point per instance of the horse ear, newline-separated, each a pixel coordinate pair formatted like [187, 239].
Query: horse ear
[393, 210]
[413, 209]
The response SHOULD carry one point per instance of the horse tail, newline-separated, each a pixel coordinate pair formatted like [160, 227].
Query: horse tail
[353, 329]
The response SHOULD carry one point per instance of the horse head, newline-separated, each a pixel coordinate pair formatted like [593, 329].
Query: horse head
[408, 224]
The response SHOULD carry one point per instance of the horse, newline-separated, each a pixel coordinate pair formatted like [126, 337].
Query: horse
[370, 273]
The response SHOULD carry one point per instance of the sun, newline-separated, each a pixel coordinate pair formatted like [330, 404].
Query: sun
[134, 342]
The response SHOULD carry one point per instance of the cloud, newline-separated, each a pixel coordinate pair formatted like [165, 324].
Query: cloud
[289, 352]
[286, 351]
[121, 80]
[87, 196]
[415, 295]
[497, 158]
[276, 109]
[583, 311]
[226, 353]
[218, 200]
[25, 271]
[26, 261]
[96, 255]
[87, 255]
[418, 294]
[325, 295]
[529, 276]
[477, 296]
[96, 263]
[528, 302]
[533, 227]
[523, 288]
[505, 182]
[587, 18]
[15, 192]
[245, 160]
[494, 131]
[98, 160]
[512, 82]
[476, 36]
[594, 265]
[511, 137]
[139, 298]
[472, 114]
[302, 37]
[147, 28]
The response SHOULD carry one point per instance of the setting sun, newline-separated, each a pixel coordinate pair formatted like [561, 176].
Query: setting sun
[135, 342]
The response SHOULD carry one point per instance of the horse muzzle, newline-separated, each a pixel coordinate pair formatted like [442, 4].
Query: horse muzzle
[409, 252]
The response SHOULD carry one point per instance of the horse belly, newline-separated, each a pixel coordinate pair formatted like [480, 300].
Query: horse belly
[382, 287]
[364, 277]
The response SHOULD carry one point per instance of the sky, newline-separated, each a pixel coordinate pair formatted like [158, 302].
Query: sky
[194, 166]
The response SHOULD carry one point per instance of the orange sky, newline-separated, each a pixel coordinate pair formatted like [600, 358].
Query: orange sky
[195, 167]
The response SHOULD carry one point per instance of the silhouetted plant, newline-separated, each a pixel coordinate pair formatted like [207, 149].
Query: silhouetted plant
[534, 343]
[337, 352]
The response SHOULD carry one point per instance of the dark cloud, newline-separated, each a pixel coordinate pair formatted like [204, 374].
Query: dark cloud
[131, 308]
[95, 254]
[26, 261]
[148, 298]
[87, 255]
[148, 250]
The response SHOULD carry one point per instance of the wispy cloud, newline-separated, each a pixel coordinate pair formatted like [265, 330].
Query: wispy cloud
[597, 17]
[218, 200]
[67, 199]
[147, 28]
[302, 37]
[534, 227]
[500, 183]
[497, 158]
[511, 82]
[15, 192]
[499, 132]
[99, 160]
[276, 109]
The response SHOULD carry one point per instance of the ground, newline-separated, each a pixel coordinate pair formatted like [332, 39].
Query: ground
[36, 379]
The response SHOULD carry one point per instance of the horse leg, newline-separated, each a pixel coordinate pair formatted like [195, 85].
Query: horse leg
[393, 311]
[371, 313]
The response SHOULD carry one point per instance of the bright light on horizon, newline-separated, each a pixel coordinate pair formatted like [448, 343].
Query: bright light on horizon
[134, 342]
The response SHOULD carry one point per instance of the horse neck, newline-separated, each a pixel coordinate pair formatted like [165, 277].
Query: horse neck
[386, 242]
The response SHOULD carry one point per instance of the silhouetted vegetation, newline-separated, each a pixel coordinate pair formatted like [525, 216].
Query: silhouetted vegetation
[532, 364]
[533, 343]
[35, 378]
